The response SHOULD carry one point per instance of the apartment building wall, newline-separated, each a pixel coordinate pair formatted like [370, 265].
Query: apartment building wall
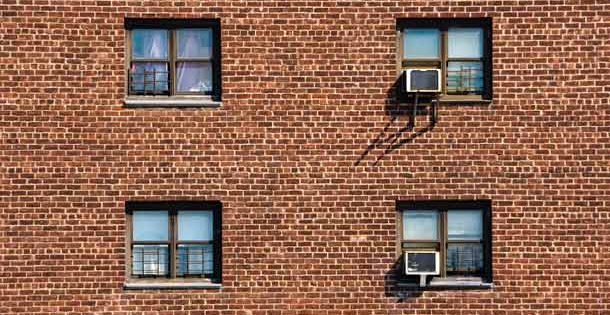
[306, 158]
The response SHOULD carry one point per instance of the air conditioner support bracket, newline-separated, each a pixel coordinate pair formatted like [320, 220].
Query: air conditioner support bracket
[422, 280]
[415, 108]
[433, 109]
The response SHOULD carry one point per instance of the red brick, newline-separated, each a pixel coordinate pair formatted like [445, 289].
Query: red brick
[309, 222]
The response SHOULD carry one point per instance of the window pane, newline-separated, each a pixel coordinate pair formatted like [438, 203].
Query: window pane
[464, 225]
[421, 262]
[464, 259]
[149, 260]
[465, 42]
[420, 225]
[421, 43]
[464, 77]
[195, 225]
[194, 43]
[149, 43]
[194, 260]
[194, 77]
[149, 77]
[424, 80]
[150, 225]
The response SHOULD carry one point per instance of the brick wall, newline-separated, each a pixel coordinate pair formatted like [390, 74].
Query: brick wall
[304, 157]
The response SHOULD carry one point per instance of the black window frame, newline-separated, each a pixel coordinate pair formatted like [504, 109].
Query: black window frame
[171, 25]
[444, 205]
[443, 25]
[172, 207]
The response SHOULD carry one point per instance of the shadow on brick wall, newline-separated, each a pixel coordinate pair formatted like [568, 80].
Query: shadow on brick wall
[397, 105]
[393, 279]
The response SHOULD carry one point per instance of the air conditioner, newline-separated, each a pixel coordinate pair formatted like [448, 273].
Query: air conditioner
[422, 263]
[423, 80]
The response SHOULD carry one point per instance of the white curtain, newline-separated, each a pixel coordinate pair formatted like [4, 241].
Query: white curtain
[194, 77]
[149, 43]
[194, 43]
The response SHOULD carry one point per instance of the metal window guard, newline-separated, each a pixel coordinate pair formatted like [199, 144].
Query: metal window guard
[140, 84]
[465, 260]
[464, 81]
[152, 261]
[191, 260]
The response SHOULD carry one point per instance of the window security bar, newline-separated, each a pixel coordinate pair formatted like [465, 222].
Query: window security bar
[464, 260]
[464, 81]
[149, 261]
[194, 260]
[149, 82]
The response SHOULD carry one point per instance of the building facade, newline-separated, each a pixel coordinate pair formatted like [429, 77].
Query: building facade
[264, 157]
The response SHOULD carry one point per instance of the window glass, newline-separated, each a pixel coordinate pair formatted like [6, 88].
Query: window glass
[149, 77]
[149, 44]
[464, 77]
[421, 43]
[150, 226]
[151, 260]
[420, 225]
[194, 43]
[464, 225]
[464, 259]
[195, 225]
[194, 77]
[195, 260]
[465, 42]
[424, 80]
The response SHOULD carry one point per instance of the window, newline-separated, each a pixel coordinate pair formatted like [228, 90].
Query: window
[173, 58]
[460, 48]
[459, 230]
[174, 240]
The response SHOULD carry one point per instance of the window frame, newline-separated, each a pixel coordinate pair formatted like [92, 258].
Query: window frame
[442, 206]
[171, 25]
[443, 24]
[172, 207]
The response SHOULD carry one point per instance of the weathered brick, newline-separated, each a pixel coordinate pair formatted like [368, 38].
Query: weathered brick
[304, 157]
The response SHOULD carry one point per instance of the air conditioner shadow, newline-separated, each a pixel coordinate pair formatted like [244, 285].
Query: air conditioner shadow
[397, 105]
[392, 280]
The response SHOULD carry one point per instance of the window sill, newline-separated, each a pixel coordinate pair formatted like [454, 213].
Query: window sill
[150, 285]
[170, 101]
[475, 101]
[449, 284]
[444, 283]
[446, 100]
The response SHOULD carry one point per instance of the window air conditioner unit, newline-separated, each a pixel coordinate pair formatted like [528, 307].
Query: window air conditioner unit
[422, 263]
[424, 80]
